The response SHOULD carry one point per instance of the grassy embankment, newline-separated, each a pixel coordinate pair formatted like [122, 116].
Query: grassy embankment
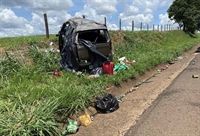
[30, 94]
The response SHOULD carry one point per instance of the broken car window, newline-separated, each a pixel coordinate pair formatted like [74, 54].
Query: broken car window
[95, 36]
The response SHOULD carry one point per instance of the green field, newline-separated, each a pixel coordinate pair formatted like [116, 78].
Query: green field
[30, 94]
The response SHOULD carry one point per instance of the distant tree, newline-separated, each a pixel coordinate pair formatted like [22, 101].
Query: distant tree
[186, 13]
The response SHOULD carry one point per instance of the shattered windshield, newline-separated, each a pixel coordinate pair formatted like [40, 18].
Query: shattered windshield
[95, 36]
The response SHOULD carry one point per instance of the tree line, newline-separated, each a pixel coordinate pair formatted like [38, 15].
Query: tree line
[186, 13]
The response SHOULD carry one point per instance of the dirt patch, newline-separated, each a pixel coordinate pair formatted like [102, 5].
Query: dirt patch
[21, 51]
[2, 51]
[118, 37]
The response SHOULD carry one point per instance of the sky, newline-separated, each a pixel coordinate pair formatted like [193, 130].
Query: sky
[26, 17]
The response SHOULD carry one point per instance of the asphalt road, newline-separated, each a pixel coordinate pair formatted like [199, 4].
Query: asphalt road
[176, 112]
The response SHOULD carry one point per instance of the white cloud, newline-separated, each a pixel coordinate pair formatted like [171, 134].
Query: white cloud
[138, 11]
[87, 11]
[90, 13]
[103, 7]
[164, 19]
[99, 9]
[163, 4]
[143, 4]
[15, 3]
[130, 10]
[56, 11]
[166, 3]
[38, 23]
[12, 24]
[39, 5]
[112, 27]
[148, 11]
[29, 28]
[10, 20]
[53, 5]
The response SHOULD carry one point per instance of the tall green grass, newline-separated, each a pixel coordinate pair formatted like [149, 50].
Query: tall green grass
[13, 42]
[24, 85]
[20, 119]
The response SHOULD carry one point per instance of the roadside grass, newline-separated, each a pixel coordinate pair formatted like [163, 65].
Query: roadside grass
[19, 118]
[33, 92]
[13, 42]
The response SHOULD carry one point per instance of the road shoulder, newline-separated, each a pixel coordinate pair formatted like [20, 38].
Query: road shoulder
[134, 104]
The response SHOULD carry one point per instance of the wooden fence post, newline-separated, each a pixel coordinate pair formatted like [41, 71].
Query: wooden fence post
[120, 24]
[158, 28]
[105, 21]
[153, 27]
[46, 26]
[141, 26]
[132, 25]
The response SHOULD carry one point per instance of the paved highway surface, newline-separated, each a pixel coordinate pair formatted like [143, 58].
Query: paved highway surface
[176, 112]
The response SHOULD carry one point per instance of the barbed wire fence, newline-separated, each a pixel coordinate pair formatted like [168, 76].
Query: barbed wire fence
[139, 26]
[135, 26]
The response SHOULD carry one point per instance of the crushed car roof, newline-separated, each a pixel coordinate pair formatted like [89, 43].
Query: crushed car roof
[83, 24]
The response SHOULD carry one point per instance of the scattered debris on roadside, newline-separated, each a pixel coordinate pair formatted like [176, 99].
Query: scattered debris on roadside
[164, 67]
[107, 104]
[171, 62]
[56, 72]
[120, 67]
[124, 61]
[108, 67]
[180, 58]
[132, 89]
[85, 120]
[110, 103]
[193, 62]
[195, 76]
[71, 128]
[135, 87]
[96, 72]
[80, 73]
[198, 50]
[51, 43]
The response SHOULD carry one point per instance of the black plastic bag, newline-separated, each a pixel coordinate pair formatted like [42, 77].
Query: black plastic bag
[107, 104]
